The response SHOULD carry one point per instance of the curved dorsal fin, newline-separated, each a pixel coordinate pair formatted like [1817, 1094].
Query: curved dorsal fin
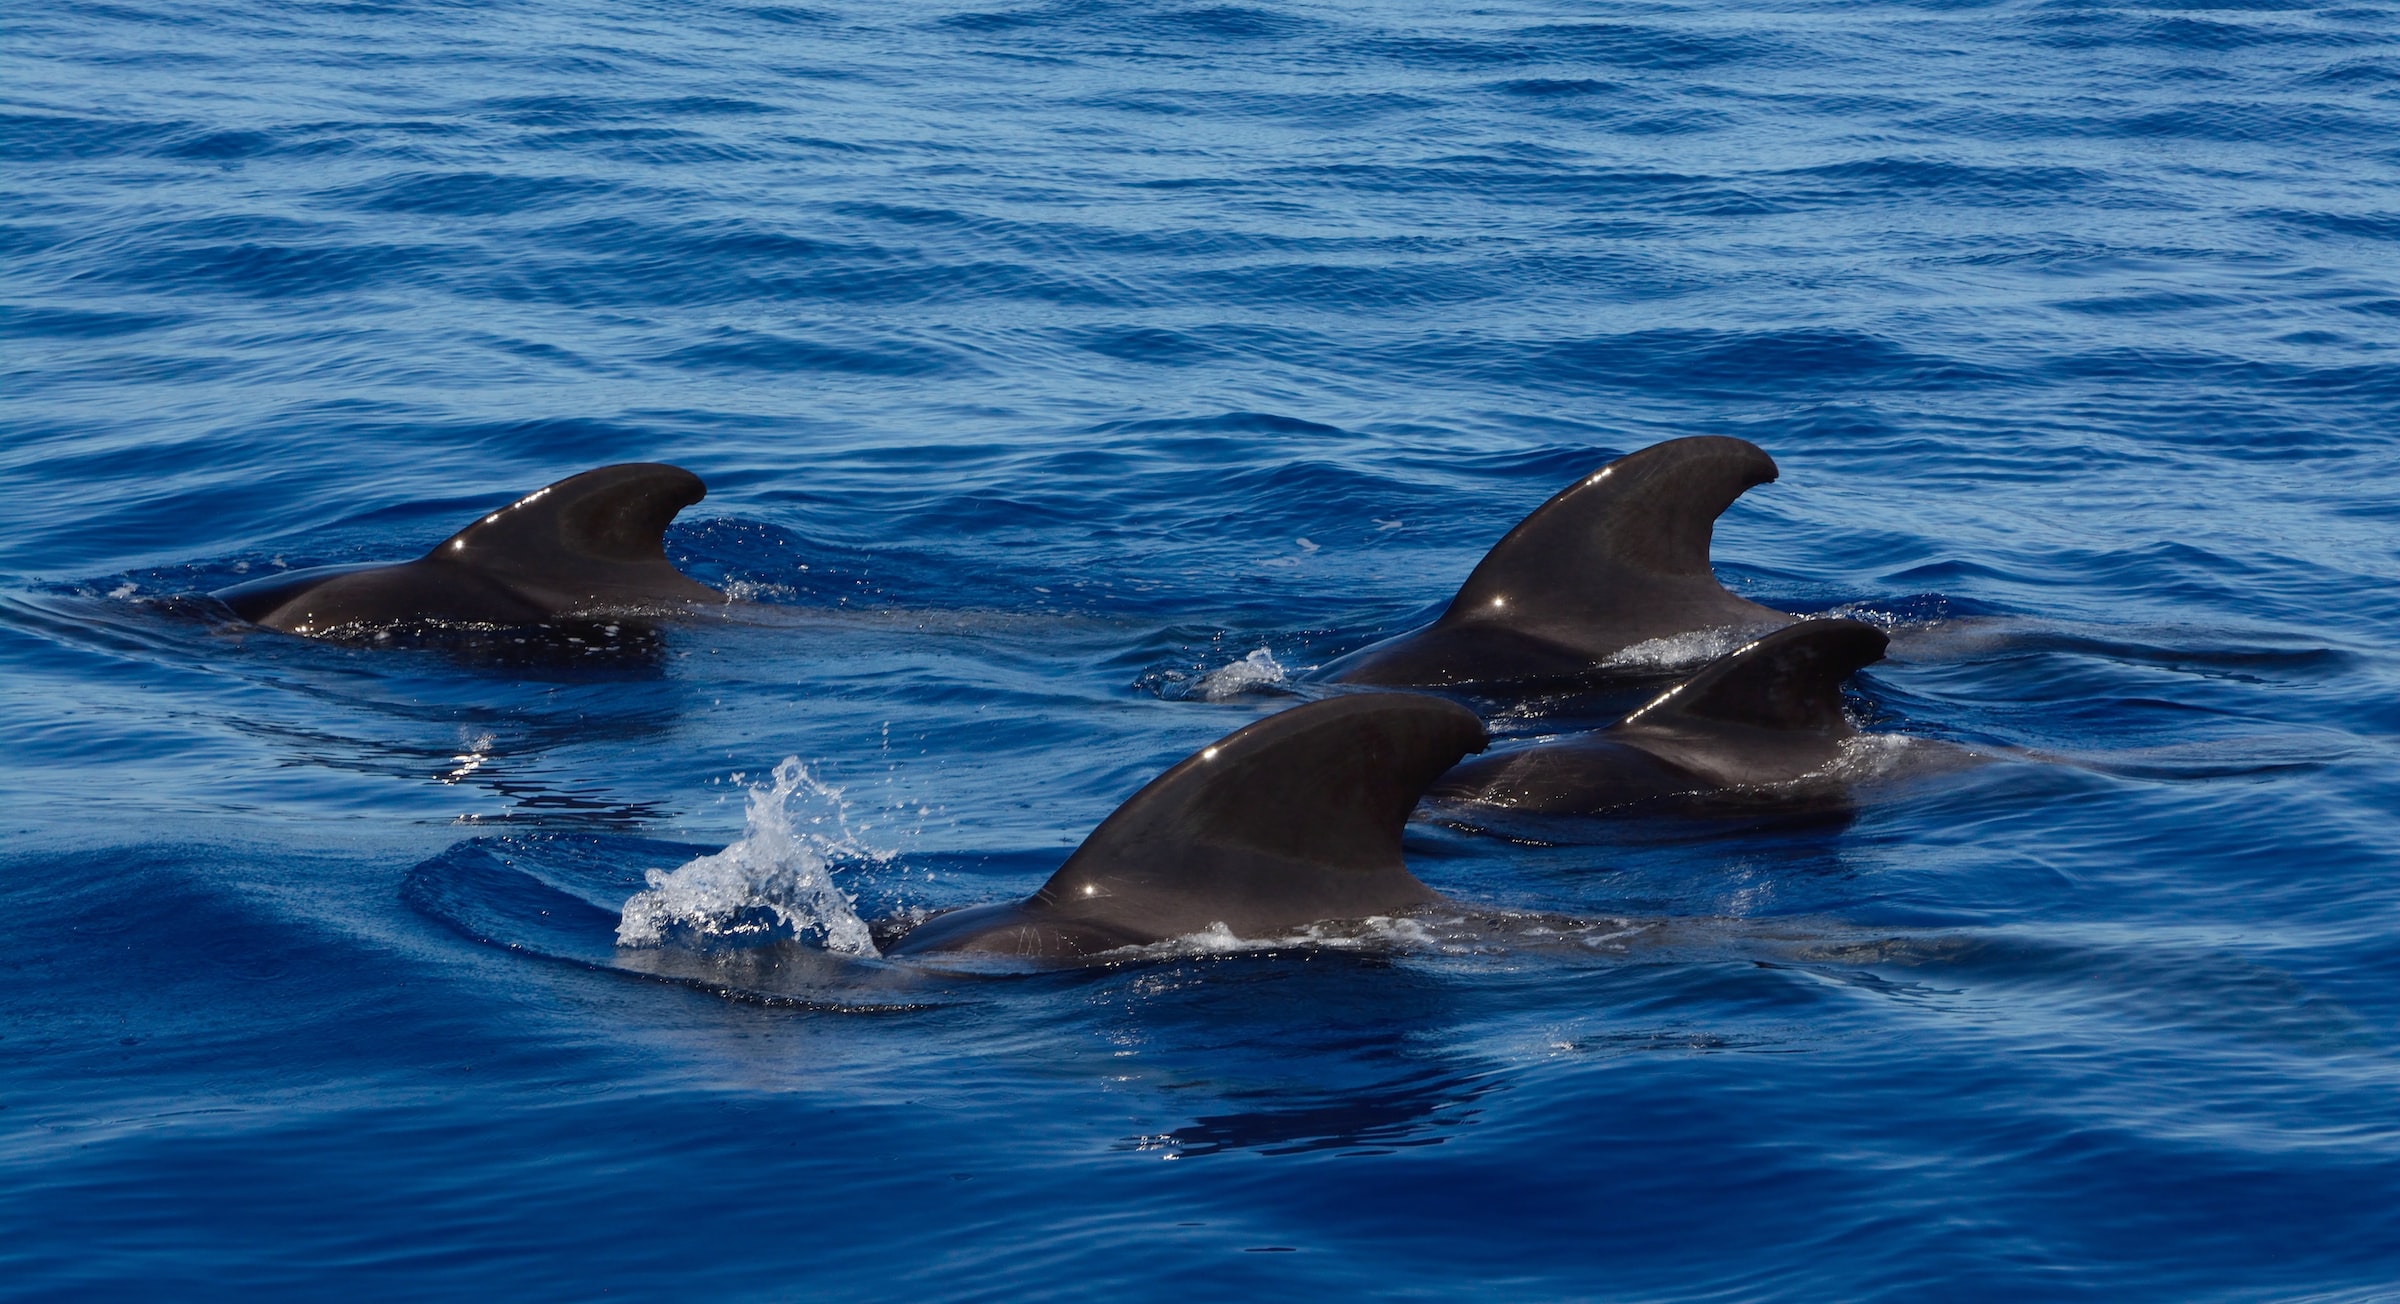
[1790, 680]
[1289, 820]
[597, 535]
[1621, 544]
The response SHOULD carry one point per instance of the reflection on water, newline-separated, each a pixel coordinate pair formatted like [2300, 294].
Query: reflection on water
[1367, 1120]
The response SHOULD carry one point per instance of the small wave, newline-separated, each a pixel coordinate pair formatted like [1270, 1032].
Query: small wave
[777, 879]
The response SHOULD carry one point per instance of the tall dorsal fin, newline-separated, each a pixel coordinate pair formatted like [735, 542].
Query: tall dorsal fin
[1789, 680]
[596, 535]
[1289, 820]
[1624, 542]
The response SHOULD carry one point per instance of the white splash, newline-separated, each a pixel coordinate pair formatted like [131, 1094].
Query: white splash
[1258, 670]
[1374, 933]
[1678, 650]
[779, 874]
[760, 591]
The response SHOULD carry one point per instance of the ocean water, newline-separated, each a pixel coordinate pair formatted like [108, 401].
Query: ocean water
[1070, 378]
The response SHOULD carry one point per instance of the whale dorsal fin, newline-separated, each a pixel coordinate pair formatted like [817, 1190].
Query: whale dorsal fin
[1624, 549]
[1289, 820]
[1789, 680]
[593, 536]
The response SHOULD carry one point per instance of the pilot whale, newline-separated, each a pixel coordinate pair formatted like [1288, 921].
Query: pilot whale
[1618, 558]
[1769, 713]
[590, 545]
[1290, 820]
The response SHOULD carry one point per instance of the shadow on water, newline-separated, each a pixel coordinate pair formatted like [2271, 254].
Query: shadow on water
[1373, 1119]
[1315, 1048]
[485, 708]
[1296, 1050]
[196, 629]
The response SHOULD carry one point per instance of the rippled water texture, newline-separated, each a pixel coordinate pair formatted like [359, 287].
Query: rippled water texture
[1068, 379]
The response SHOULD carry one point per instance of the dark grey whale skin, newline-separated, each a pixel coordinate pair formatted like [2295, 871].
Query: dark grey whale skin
[1767, 713]
[1619, 557]
[1290, 820]
[589, 545]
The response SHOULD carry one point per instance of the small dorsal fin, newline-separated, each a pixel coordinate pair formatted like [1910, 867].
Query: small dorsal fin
[597, 535]
[1631, 535]
[1790, 680]
[1292, 819]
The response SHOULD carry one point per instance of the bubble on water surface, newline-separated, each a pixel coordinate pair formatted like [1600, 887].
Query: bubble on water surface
[1257, 672]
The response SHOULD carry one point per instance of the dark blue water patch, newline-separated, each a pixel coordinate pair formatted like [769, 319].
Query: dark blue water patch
[731, 350]
[282, 271]
[2354, 74]
[2205, 34]
[1228, 423]
[1553, 88]
[2369, 226]
[475, 194]
[1229, 22]
[2248, 664]
[658, 146]
[220, 145]
[872, 278]
[1270, 284]
[1442, 51]
[73, 324]
[789, 15]
[1885, 177]
[2156, 363]
[2147, 302]
[478, 887]
[1632, 45]
[1283, 108]
[992, 21]
[714, 243]
[1805, 360]
[1145, 344]
[2249, 123]
[1607, 44]
[48, 137]
[1674, 124]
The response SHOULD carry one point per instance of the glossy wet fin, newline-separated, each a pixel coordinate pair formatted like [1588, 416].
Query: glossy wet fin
[1637, 525]
[598, 534]
[1614, 561]
[1293, 819]
[1789, 680]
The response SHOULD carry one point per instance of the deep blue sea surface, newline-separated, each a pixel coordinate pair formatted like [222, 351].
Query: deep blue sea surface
[1068, 379]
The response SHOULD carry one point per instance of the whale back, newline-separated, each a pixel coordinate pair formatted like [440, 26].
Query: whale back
[591, 544]
[1290, 820]
[1768, 713]
[590, 540]
[1789, 681]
